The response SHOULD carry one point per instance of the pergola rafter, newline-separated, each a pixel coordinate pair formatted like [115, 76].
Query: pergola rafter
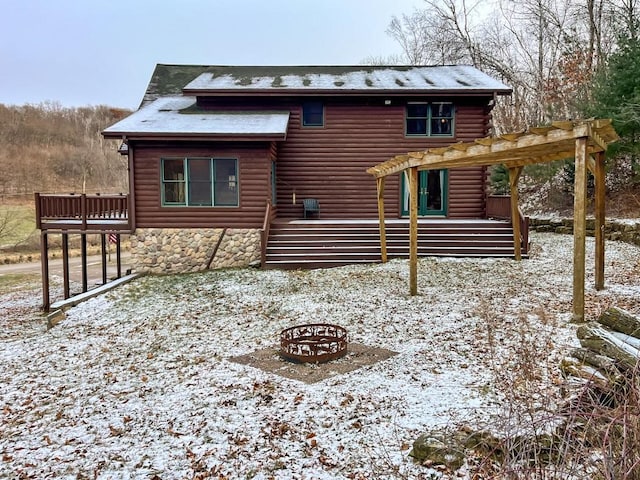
[584, 140]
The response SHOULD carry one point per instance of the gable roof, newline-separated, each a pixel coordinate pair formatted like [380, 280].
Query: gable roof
[315, 80]
[173, 117]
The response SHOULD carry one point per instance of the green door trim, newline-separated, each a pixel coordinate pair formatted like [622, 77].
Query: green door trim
[427, 200]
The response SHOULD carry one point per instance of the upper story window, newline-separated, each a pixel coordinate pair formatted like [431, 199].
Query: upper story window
[312, 114]
[430, 119]
[201, 182]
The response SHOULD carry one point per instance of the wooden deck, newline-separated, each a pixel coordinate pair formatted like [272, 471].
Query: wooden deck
[81, 213]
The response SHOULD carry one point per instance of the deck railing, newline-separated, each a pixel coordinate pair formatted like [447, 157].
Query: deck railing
[269, 214]
[82, 207]
[499, 206]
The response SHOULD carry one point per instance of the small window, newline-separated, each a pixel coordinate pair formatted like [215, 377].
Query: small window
[313, 114]
[173, 182]
[200, 182]
[417, 119]
[441, 119]
[429, 119]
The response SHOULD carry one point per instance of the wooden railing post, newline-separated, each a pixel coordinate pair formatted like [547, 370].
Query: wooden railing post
[264, 234]
[38, 212]
[83, 210]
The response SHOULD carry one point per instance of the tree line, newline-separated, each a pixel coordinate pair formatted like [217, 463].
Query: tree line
[564, 59]
[54, 149]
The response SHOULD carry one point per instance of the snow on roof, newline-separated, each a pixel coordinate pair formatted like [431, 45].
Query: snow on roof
[463, 78]
[180, 116]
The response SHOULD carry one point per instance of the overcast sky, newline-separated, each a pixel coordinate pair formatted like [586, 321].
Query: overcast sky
[93, 52]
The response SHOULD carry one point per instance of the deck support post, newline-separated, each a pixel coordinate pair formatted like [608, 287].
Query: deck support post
[103, 252]
[83, 254]
[413, 231]
[383, 235]
[579, 228]
[118, 256]
[65, 265]
[599, 175]
[44, 264]
[514, 176]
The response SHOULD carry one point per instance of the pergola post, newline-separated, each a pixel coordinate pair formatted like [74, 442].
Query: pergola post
[600, 219]
[383, 235]
[514, 176]
[413, 231]
[579, 228]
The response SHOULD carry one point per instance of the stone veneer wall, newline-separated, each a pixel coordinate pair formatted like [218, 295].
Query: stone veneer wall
[613, 229]
[180, 250]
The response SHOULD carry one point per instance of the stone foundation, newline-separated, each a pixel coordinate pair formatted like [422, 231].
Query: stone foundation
[613, 229]
[180, 250]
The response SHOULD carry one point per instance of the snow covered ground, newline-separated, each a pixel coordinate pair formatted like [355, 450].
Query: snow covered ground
[137, 383]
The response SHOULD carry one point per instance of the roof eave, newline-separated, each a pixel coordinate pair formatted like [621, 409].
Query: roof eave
[269, 92]
[247, 137]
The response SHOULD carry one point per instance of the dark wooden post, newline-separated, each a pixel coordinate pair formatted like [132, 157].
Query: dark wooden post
[44, 264]
[103, 251]
[83, 253]
[83, 210]
[118, 258]
[38, 212]
[65, 264]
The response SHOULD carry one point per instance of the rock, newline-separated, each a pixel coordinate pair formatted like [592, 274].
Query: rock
[439, 448]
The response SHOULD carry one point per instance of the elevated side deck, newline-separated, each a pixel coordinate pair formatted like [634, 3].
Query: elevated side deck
[82, 213]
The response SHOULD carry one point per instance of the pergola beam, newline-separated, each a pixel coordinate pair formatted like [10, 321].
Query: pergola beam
[544, 143]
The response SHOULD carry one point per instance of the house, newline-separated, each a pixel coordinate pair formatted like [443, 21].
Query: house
[221, 155]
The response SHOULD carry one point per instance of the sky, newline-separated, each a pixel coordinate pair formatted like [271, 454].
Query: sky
[102, 52]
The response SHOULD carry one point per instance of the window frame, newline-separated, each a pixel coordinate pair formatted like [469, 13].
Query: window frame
[428, 119]
[186, 182]
[303, 115]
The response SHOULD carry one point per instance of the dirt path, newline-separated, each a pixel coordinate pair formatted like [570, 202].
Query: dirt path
[94, 268]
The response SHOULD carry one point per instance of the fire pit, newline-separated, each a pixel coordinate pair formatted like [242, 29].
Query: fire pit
[315, 343]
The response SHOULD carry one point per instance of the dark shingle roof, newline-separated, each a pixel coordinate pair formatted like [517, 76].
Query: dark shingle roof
[169, 80]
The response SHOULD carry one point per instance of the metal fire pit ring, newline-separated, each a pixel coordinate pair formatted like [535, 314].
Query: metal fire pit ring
[313, 343]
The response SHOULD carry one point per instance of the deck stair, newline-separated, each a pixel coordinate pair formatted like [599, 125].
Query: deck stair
[326, 243]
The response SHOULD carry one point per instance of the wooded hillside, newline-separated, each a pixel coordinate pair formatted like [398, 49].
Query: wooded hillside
[50, 148]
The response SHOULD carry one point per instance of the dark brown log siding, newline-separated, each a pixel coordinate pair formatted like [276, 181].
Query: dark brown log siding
[329, 163]
[254, 181]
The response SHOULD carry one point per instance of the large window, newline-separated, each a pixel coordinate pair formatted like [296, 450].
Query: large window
[201, 182]
[312, 114]
[430, 119]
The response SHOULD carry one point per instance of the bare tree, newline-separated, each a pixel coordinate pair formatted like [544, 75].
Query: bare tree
[546, 50]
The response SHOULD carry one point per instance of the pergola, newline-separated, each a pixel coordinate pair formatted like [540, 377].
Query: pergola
[586, 141]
